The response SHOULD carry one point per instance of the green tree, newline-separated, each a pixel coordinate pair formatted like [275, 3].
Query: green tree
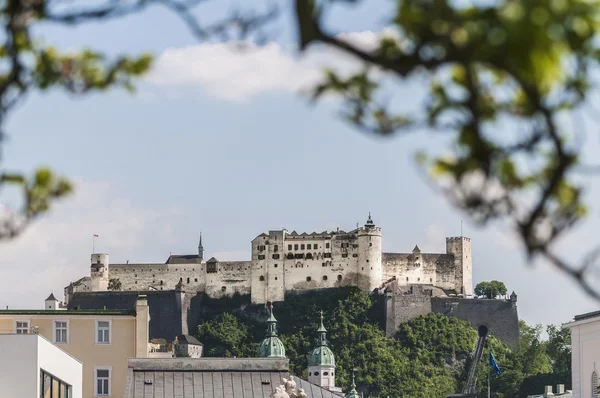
[226, 336]
[114, 284]
[559, 348]
[490, 290]
[534, 355]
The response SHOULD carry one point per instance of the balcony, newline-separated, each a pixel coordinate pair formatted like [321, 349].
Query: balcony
[160, 350]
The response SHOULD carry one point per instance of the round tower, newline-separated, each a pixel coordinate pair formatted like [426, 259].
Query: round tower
[99, 272]
[321, 362]
[369, 256]
[271, 346]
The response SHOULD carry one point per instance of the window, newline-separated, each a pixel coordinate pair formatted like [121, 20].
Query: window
[326, 255]
[325, 374]
[102, 332]
[302, 247]
[195, 279]
[275, 265]
[188, 280]
[309, 256]
[261, 248]
[262, 278]
[102, 382]
[370, 244]
[22, 327]
[275, 248]
[51, 387]
[275, 278]
[211, 268]
[162, 283]
[324, 264]
[295, 247]
[355, 255]
[223, 288]
[290, 256]
[308, 278]
[324, 277]
[275, 256]
[299, 255]
[430, 279]
[261, 256]
[327, 245]
[339, 277]
[344, 255]
[308, 246]
[316, 373]
[289, 247]
[60, 332]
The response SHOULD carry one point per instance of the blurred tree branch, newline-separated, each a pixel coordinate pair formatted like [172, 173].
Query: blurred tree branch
[501, 75]
[30, 65]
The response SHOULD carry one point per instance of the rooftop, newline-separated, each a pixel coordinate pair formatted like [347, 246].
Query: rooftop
[68, 312]
[588, 315]
[212, 377]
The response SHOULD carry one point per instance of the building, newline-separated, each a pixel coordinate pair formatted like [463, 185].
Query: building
[31, 366]
[321, 362]
[102, 340]
[187, 346]
[560, 392]
[217, 377]
[271, 346]
[282, 261]
[585, 354]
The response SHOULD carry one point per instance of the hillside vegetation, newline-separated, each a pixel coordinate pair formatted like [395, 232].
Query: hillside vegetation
[427, 358]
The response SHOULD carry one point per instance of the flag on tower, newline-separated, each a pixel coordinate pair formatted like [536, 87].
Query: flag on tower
[95, 236]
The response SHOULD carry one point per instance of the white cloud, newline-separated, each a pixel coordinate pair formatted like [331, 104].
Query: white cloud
[226, 71]
[56, 249]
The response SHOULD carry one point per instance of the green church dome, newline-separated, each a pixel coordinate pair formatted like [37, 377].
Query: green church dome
[271, 346]
[321, 355]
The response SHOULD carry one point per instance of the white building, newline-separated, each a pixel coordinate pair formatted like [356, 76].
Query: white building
[285, 261]
[585, 343]
[32, 367]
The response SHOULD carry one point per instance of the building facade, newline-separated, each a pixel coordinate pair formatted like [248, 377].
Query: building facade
[102, 340]
[283, 261]
[31, 366]
[585, 355]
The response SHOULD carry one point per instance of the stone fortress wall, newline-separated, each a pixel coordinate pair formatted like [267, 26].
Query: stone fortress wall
[282, 262]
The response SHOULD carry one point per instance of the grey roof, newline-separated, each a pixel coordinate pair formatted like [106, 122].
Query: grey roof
[187, 339]
[51, 297]
[586, 315]
[184, 259]
[212, 377]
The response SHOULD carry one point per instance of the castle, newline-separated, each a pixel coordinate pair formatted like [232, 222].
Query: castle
[283, 262]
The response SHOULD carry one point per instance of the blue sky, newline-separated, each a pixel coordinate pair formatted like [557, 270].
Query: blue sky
[224, 144]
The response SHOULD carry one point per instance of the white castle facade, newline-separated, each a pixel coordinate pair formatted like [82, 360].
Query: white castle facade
[283, 262]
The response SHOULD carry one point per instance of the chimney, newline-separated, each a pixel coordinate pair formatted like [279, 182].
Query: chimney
[560, 389]
[142, 326]
[548, 391]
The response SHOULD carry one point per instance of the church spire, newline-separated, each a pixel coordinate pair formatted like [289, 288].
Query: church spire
[353, 393]
[271, 346]
[322, 333]
[200, 248]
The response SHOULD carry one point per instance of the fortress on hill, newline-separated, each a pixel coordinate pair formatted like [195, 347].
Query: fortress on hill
[412, 284]
[283, 262]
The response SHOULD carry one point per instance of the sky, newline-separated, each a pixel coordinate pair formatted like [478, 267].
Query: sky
[225, 143]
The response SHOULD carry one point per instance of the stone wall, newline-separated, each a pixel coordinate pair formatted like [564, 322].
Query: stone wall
[403, 303]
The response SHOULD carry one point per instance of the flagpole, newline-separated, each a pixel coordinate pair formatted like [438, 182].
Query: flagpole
[489, 370]
[93, 244]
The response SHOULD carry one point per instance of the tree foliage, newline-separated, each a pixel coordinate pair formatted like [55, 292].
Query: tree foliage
[490, 289]
[114, 284]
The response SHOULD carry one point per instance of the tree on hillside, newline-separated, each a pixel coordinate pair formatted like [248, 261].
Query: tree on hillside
[114, 284]
[490, 289]
[501, 77]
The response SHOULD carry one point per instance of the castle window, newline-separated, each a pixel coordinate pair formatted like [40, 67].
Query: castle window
[289, 247]
[295, 247]
[339, 277]
[180, 280]
[308, 279]
[275, 256]
[290, 256]
[261, 248]
[324, 264]
[326, 255]
[302, 247]
[211, 268]
[261, 256]
[370, 244]
[161, 283]
[344, 255]
[154, 276]
[355, 255]
[309, 246]
[223, 288]
[135, 275]
[418, 279]
[262, 278]
[275, 278]
[299, 255]
[367, 260]
[188, 280]
[136, 282]
[324, 277]
[275, 265]
[327, 245]
[407, 278]
[195, 279]
[430, 279]
[309, 256]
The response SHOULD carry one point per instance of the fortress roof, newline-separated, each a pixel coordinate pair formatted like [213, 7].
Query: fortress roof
[184, 259]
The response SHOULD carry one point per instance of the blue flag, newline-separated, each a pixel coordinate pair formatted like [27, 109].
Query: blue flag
[493, 364]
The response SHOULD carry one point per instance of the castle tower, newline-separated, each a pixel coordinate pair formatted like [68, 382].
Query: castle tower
[321, 362]
[271, 346]
[99, 272]
[460, 247]
[200, 248]
[51, 303]
[369, 256]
